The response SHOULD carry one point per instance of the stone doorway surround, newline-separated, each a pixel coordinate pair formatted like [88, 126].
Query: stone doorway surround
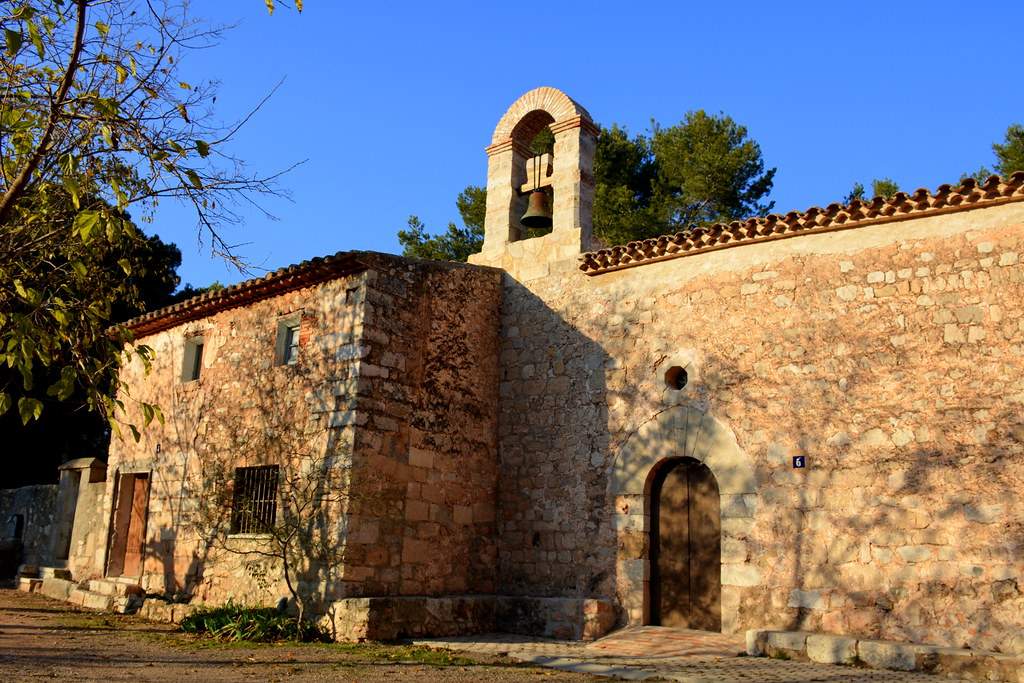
[681, 431]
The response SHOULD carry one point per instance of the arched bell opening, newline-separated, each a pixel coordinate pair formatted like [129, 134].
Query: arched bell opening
[684, 589]
[535, 199]
[570, 189]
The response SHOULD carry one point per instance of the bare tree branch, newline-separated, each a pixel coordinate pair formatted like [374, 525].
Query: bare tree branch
[15, 189]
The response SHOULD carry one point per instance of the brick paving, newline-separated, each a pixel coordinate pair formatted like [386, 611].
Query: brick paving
[657, 641]
[651, 652]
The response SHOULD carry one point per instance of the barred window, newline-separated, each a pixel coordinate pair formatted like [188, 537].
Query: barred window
[254, 507]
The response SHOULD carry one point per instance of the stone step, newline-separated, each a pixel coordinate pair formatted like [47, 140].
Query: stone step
[108, 595]
[113, 587]
[30, 571]
[90, 600]
[54, 573]
[58, 589]
[156, 609]
[29, 584]
[128, 604]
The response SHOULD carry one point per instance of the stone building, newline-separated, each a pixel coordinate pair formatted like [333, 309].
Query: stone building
[804, 421]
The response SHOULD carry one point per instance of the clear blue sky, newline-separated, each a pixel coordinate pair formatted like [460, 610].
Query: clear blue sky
[393, 103]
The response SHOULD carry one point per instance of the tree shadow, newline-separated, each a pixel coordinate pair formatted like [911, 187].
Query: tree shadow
[383, 433]
[901, 526]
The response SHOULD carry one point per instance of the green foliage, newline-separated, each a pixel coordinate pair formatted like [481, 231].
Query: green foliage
[625, 175]
[981, 175]
[272, 5]
[1009, 156]
[883, 187]
[703, 170]
[95, 121]
[59, 292]
[543, 142]
[235, 623]
[456, 243]
[188, 291]
[856, 193]
[709, 171]
[66, 428]
[1010, 153]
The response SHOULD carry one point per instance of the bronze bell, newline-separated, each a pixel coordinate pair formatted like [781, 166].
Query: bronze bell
[538, 212]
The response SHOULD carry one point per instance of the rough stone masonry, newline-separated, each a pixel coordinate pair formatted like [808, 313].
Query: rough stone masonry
[498, 429]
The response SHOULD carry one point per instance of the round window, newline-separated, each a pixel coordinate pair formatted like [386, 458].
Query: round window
[675, 378]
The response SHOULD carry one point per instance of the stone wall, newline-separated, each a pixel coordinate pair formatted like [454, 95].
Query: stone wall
[426, 447]
[246, 409]
[890, 356]
[387, 420]
[389, 618]
[37, 506]
[88, 545]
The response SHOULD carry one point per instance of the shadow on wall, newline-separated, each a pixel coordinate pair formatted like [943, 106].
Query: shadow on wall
[899, 525]
[555, 531]
[209, 537]
[903, 524]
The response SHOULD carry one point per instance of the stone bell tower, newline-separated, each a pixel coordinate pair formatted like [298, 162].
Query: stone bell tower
[513, 172]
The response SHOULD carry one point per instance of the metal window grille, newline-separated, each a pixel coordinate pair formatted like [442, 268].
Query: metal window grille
[254, 507]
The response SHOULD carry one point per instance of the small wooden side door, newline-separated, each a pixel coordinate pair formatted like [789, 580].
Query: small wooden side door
[128, 531]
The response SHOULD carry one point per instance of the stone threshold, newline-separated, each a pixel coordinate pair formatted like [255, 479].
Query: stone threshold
[823, 648]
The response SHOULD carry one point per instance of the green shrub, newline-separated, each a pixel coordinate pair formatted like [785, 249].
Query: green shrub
[259, 624]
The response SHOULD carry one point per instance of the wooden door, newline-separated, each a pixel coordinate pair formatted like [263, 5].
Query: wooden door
[128, 535]
[136, 526]
[686, 584]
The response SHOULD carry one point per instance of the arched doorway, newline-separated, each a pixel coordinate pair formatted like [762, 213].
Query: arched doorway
[686, 541]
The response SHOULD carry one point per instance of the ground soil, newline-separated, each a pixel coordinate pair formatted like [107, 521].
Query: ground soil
[46, 639]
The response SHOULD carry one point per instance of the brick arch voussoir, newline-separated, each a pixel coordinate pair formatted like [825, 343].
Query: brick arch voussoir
[551, 100]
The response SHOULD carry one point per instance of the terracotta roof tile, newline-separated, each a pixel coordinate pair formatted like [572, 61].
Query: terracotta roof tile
[285, 279]
[946, 198]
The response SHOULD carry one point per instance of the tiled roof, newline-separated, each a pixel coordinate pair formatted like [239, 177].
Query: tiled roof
[282, 280]
[946, 199]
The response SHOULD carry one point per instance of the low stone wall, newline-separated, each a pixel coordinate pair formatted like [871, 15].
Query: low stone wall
[85, 480]
[36, 505]
[156, 609]
[559, 618]
[971, 665]
[388, 618]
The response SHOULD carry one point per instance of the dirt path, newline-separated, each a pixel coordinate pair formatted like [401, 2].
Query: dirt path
[45, 639]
